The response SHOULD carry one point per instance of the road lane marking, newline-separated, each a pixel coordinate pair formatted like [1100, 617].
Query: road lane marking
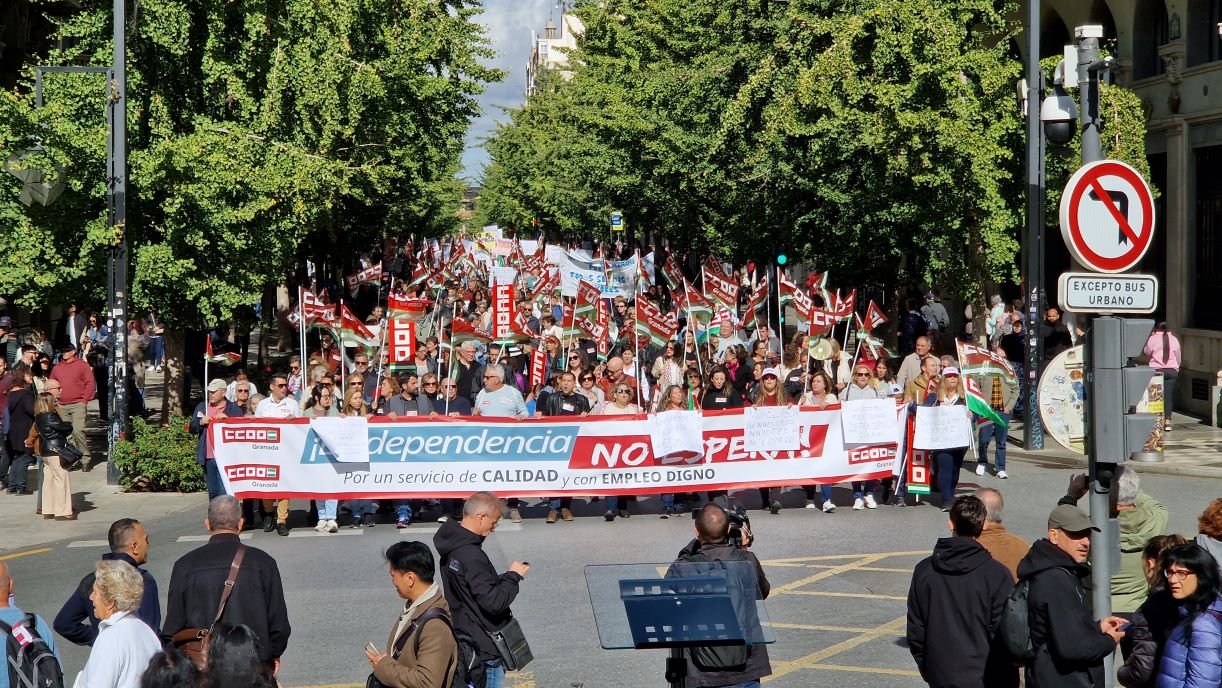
[26, 553]
[830, 629]
[828, 573]
[861, 596]
[833, 557]
[865, 670]
[89, 543]
[205, 538]
[781, 668]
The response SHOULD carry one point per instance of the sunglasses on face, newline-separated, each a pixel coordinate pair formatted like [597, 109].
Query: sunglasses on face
[362, 363]
[587, 379]
[430, 384]
[358, 383]
[278, 385]
[294, 367]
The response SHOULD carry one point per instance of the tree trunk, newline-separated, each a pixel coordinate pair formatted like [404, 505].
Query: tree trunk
[172, 400]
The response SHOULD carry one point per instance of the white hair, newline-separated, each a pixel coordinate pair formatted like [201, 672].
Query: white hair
[119, 582]
[496, 370]
[996, 299]
[1127, 485]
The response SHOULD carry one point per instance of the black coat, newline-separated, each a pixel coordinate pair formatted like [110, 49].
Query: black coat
[257, 599]
[54, 431]
[479, 598]
[954, 609]
[1069, 646]
[1056, 338]
[70, 622]
[554, 404]
[20, 419]
[725, 398]
[1152, 625]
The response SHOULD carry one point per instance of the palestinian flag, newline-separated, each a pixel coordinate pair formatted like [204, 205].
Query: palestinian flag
[652, 324]
[757, 299]
[977, 404]
[224, 358]
[974, 360]
[399, 308]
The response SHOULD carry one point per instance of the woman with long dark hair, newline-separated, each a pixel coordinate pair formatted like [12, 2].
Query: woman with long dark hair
[1143, 642]
[1193, 654]
[170, 668]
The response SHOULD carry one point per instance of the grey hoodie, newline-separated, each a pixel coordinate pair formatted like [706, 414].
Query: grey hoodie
[1213, 546]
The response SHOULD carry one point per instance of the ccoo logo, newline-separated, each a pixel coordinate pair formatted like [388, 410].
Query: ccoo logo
[250, 434]
[252, 471]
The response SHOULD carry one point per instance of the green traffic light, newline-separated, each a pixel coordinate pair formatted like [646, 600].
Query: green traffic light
[781, 259]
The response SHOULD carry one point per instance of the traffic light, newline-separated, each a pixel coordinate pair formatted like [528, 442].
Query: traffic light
[781, 259]
[1116, 388]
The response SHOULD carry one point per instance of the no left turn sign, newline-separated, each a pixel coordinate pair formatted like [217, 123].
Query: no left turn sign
[1107, 216]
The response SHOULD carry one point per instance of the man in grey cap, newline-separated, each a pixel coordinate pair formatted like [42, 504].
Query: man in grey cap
[215, 407]
[1070, 645]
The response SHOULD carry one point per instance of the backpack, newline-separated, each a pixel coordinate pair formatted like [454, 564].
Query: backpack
[719, 657]
[1014, 631]
[469, 670]
[31, 663]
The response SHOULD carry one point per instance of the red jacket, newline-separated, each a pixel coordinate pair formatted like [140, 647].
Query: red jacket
[76, 378]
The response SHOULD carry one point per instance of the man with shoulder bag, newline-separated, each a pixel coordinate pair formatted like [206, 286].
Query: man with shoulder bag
[730, 666]
[479, 598]
[227, 581]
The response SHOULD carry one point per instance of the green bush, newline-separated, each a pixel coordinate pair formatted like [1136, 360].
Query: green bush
[159, 458]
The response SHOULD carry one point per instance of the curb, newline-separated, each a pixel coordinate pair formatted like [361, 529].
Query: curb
[1076, 461]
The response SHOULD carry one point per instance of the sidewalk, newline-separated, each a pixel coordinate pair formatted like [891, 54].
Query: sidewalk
[1193, 449]
[97, 503]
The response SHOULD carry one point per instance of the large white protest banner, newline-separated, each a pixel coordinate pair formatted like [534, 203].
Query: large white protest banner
[942, 427]
[345, 439]
[603, 455]
[771, 428]
[676, 434]
[868, 421]
[616, 278]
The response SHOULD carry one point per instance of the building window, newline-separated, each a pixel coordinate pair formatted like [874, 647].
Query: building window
[1150, 29]
[1207, 296]
[1204, 45]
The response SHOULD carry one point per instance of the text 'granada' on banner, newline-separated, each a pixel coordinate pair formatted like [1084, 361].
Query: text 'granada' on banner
[453, 457]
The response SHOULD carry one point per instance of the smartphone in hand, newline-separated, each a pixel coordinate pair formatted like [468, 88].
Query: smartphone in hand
[370, 648]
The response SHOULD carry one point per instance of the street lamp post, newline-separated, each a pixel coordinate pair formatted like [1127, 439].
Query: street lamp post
[116, 197]
[1033, 430]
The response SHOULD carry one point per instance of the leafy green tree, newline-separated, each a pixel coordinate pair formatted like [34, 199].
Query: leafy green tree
[261, 133]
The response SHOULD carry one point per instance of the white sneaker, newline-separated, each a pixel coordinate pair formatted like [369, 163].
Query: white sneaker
[332, 527]
[322, 526]
[828, 508]
[981, 468]
[870, 503]
[1002, 475]
[858, 504]
[810, 505]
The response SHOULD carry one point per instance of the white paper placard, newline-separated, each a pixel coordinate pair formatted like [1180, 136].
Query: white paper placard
[942, 427]
[346, 439]
[771, 428]
[868, 421]
[677, 432]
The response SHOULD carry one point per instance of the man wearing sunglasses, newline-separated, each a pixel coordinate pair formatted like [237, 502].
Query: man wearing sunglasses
[278, 404]
[565, 401]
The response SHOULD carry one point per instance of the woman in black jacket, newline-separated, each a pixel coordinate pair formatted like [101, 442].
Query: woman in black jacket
[720, 394]
[54, 433]
[21, 419]
[1152, 622]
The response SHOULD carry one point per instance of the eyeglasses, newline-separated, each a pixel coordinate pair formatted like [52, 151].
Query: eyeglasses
[362, 363]
[356, 383]
[491, 377]
[278, 385]
[1177, 574]
[574, 358]
[623, 391]
[449, 386]
[294, 367]
[243, 391]
[587, 379]
[862, 374]
[430, 384]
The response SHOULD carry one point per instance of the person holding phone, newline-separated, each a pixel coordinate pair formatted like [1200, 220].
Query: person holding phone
[421, 652]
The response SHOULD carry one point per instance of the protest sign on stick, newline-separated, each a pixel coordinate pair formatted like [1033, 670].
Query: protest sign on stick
[868, 421]
[771, 428]
[942, 427]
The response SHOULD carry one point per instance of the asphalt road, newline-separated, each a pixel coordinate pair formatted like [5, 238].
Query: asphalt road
[839, 582]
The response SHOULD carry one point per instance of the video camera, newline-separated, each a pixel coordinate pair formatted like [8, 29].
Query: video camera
[739, 523]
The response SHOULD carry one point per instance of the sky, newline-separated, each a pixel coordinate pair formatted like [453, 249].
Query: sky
[509, 24]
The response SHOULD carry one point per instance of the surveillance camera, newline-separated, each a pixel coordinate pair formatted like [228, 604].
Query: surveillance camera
[1058, 112]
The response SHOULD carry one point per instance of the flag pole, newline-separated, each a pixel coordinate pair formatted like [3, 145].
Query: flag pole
[450, 356]
[343, 356]
[636, 340]
[691, 323]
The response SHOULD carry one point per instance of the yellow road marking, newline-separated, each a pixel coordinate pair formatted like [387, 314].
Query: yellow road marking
[784, 668]
[828, 573]
[520, 680]
[864, 596]
[831, 629]
[26, 553]
[867, 670]
[833, 557]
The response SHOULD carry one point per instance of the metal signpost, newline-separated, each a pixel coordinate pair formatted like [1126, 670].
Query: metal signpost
[1107, 221]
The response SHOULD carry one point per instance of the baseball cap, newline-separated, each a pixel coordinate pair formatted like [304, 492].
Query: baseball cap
[6, 322]
[216, 385]
[1070, 518]
[770, 371]
[950, 370]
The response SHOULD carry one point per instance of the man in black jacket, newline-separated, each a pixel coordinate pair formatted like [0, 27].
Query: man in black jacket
[199, 578]
[955, 605]
[479, 598]
[1069, 644]
[129, 542]
[714, 667]
[566, 401]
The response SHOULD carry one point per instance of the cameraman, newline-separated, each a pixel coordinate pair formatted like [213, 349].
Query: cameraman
[726, 666]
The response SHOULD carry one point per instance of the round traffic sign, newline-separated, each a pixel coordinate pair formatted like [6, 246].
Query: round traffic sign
[1107, 216]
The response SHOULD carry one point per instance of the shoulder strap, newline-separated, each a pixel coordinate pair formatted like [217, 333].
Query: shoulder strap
[430, 614]
[229, 582]
[1215, 614]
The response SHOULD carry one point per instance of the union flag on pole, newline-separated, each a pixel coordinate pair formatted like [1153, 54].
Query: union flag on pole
[843, 308]
[821, 322]
[370, 275]
[672, 274]
[719, 288]
[651, 323]
[757, 299]
[875, 317]
[407, 308]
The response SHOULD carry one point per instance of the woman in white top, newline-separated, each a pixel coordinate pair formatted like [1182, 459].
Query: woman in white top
[621, 402]
[820, 394]
[125, 644]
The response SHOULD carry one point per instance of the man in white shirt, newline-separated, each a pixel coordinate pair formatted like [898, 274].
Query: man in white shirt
[910, 368]
[278, 404]
[497, 399]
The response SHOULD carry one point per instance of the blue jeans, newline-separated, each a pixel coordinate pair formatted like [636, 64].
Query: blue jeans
[18, 470]
[494, 674]
[212, 478]
[948, 463]
[327, 509]
[1020, 373]
[360, 508]
[157, 349]
[668, 501]
[403, 510]
[862, 488]
[989, 431]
